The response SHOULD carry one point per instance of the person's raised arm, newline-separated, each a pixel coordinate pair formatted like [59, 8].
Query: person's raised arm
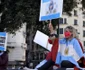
[52, 33]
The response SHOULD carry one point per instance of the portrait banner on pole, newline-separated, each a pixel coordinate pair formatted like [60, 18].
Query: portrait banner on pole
[50, 9]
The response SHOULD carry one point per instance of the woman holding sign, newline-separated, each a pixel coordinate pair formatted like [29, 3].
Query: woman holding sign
[65, 53]
[51, 56]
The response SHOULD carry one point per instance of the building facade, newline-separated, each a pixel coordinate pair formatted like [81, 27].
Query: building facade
[16, 44]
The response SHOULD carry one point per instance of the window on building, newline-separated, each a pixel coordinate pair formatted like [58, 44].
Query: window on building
[75, 12]
[75, 22]
[65, 21]
[83, 14]
[84, 33]
[83, 23]
[61, 30]
[61, 20]
[84, 43]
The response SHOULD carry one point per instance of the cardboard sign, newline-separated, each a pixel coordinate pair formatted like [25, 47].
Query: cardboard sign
[42, 39]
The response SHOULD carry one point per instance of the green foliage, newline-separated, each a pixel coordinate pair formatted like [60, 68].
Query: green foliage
[12, 17]
[16, 12]
[83, 4]
[69, 5]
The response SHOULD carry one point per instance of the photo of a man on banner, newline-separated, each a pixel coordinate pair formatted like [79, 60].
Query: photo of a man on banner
[51, 7]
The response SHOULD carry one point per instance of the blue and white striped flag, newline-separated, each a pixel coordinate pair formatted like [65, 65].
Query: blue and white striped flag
[69, 50]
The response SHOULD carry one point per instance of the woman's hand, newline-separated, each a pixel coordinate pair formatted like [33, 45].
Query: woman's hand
[52, 38]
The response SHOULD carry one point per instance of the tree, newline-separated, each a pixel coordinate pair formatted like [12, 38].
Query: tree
[16, 12]
[69, 5]
[83, 4]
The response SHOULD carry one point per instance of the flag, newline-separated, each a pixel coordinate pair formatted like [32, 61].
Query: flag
[69, 50]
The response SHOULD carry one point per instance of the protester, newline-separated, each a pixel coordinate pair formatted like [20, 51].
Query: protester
[71, 52]
[48, 62]
[3, 60]
[67, 54]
